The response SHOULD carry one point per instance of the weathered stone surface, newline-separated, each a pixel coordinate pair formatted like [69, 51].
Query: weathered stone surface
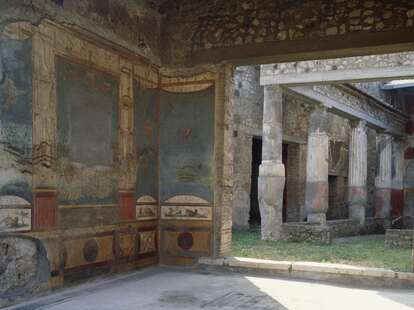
[17, 262]
[307, 232]
[23, 267]
[271, 185]
[399, 238]
[199, 25]
[272, 171]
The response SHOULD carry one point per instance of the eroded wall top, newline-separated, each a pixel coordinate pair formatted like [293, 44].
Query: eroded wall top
[133, 25]
[232, 29]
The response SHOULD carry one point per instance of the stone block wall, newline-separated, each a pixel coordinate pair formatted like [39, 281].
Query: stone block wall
[399, 238]
[304, 232]
[338, 190]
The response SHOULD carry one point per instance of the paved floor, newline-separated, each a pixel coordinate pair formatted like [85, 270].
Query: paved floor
[160, 288]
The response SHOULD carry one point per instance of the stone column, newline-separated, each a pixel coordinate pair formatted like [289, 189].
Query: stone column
[272, 171]
[317, 168]
[383, 177]
[357, 175]
[397, 179]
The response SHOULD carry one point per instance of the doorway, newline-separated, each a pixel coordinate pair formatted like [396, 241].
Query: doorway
[254, 215]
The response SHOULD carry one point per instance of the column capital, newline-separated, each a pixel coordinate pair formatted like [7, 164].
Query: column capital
[385, 137]
[273, 87]
[318, 120]
[358, 123]
[317, 107]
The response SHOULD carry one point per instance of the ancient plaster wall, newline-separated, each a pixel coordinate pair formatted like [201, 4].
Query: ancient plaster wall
[71, 113]
[15, 134]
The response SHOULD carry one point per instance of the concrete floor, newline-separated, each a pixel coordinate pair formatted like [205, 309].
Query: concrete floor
[161, 288]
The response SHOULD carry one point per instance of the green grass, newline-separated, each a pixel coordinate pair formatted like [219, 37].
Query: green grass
[362, 251]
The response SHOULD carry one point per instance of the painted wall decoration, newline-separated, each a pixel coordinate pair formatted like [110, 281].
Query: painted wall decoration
[186, 143]
[15, 214]
[146, 139]
[87, 102]
[16, 118]
[186, 213]
[146, 212]
[185, 241]
[147, 242]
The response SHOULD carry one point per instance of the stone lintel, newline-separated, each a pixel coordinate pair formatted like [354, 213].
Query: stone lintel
[348, 112]
[339, 76]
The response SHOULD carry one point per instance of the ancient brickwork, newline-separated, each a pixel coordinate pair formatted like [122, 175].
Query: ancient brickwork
[303, 232]
[399, 238]
[243, 23]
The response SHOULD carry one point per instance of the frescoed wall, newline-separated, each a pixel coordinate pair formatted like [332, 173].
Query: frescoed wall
[186, 167]
[88, 124]
[146, 102]
[15, 118]
[186, 144]
[15, 134]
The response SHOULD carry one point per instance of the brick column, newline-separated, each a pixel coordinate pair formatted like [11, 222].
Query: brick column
[383, 177]
[357, 175]
[317, 168]
[272, 171]
[223, 157]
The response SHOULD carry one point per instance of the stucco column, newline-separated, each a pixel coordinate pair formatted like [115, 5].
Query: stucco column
[397, 179]
[383, 177]
[357, 175]
[272, 171]
[316, 196]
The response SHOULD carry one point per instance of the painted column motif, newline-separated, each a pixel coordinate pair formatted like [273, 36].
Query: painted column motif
[357, 176]
[397, 179]
[127, 158]
[383, 177]
[272, 171]
[317, 168]
[44, 130]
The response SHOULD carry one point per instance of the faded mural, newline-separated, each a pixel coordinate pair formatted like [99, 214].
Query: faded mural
[87, 134]
[15, 134]
[186, 144]
[146, 139]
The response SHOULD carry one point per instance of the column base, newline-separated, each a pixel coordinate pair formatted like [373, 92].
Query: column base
[45, 210]
[357, 200]
[316, 201]
[271, 184]
[382, 203]
[317, 218]
[357, 213]
[126, 205]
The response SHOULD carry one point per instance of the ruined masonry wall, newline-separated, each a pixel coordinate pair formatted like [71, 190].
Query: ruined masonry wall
[248, 110]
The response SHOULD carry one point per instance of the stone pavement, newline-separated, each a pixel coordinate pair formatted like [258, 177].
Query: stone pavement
[163, 288]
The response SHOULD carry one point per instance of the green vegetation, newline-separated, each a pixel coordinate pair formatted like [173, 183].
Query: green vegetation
[368, 251]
